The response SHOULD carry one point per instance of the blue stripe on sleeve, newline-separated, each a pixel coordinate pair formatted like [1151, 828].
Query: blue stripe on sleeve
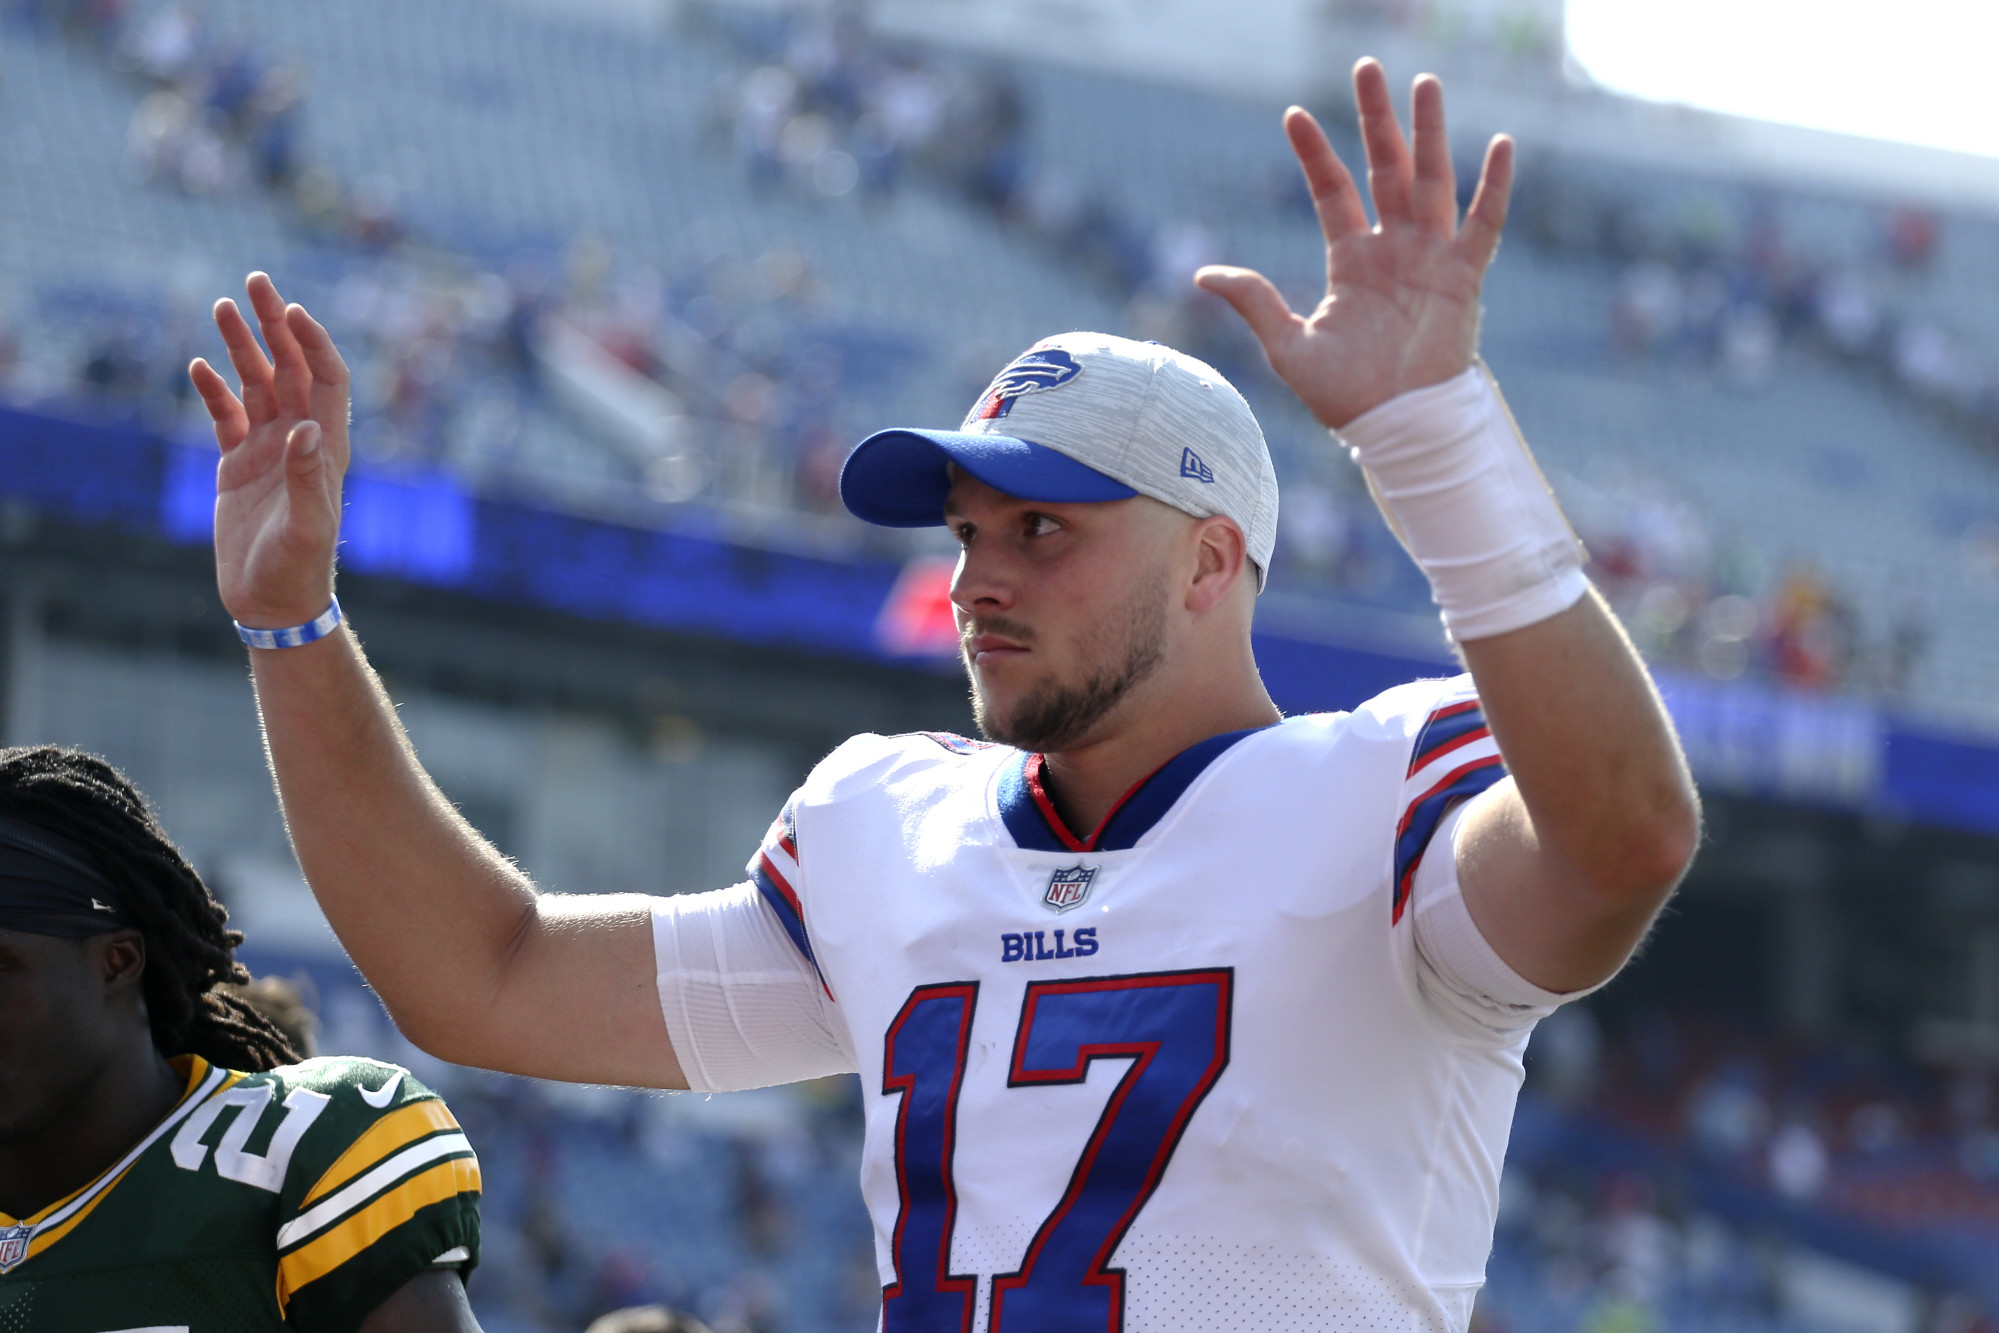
[1428, 813]
[793, 923]
[1441, 731]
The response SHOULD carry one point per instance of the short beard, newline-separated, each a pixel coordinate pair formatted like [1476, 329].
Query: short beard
[1058, 716]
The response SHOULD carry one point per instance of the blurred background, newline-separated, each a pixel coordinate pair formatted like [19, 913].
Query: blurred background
[622, 279]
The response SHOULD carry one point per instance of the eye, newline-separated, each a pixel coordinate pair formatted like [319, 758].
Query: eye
[963, 532]
[1040, 525]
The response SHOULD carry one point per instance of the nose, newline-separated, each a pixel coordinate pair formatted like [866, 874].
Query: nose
[981, 586]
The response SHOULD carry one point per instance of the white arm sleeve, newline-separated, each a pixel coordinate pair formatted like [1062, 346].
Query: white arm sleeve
[1461, 977]
[744, 1007]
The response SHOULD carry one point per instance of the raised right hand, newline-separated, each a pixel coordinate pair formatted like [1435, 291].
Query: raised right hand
[284, 452]
[1402, 297]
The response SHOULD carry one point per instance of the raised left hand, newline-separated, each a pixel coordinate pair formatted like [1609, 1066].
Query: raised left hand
[1402, 297]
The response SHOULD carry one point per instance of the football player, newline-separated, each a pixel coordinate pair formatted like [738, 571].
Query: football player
[166, 1164]
[1170, 1012]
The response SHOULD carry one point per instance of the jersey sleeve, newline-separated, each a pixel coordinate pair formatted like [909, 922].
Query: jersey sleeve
[1462, 978]
[743, 1004]
[383, 1187]
[1452, 757]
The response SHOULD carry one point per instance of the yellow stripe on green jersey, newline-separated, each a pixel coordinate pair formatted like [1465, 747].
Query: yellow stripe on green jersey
[343, 1201]
[396, 1130]
[316, 1258]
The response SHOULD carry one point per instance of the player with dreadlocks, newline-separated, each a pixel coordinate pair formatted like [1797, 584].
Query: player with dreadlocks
[166, 1160]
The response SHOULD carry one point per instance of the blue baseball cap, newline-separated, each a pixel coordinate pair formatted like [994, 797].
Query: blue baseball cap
[899, 478]
[1083, 418]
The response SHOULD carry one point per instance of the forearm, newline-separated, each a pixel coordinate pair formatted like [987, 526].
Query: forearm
[1591, 751]
[428, 910]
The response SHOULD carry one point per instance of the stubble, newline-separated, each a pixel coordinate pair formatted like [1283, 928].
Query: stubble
[1057, 715]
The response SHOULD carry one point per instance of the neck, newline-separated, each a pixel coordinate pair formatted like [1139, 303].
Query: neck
[1086, 781]
[104, 1116]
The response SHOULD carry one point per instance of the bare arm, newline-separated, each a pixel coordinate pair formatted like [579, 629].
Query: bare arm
[475, 966]
[1565, 864]
[432, 1302]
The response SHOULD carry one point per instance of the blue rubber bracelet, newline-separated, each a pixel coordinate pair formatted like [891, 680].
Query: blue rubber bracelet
[295, 637]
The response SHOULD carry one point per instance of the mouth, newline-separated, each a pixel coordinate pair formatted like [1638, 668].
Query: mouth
[987, 649]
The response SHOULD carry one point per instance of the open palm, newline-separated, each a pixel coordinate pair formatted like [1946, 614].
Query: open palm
[284, 451]
[1401, 305]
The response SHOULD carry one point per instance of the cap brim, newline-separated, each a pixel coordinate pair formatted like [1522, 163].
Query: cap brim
[899, 478]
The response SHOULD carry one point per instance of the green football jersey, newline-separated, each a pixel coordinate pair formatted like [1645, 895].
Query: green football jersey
[298, 1199]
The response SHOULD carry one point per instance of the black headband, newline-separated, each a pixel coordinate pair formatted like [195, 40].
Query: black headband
[49, 887]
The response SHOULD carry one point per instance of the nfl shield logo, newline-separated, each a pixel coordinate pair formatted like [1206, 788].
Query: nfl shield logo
[13, 1245]
[1068, 888]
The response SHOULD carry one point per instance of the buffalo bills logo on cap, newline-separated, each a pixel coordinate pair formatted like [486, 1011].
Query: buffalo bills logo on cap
[1033, 371]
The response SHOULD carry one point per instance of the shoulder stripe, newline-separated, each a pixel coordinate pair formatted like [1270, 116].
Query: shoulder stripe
[397, 1129]
[316, 1259]
[783, 902]
[1446, 729]
[330, 1210]
[1419, 823]
[952, 741]
[1454, 757]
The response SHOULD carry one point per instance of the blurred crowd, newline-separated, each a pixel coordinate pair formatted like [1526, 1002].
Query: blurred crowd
[1716, 280]
[824, 106]
[827, 108]
[575, 376]
[1668, 1178]
[218, 112]
[1714, 604]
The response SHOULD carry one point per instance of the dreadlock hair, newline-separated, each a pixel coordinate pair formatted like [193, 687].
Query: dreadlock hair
[190, 953]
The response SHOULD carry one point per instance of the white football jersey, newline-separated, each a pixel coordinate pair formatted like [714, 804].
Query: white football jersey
[1189, 1073]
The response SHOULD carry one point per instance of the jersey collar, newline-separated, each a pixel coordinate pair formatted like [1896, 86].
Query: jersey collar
[1029, 814]
[52, 1223]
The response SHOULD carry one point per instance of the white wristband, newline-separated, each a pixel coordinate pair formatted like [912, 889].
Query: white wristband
[1456, 482]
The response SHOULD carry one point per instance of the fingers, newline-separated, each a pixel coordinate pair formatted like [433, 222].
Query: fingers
[253, 371]
[1479, 237]
[311, 485]
[1388, 165]
[1334, 194]
[1256, 299]
[305, 470]
[291, 381]
[315, 344]
[224, 407]
[1433, 195]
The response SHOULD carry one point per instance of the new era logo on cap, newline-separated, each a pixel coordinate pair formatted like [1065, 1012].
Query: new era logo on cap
[1192, 466]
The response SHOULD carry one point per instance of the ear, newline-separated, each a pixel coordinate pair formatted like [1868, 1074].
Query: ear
[120, 960]
[1221, 562]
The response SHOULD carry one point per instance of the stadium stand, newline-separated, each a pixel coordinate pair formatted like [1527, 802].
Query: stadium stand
[666, 276]
[783, 228]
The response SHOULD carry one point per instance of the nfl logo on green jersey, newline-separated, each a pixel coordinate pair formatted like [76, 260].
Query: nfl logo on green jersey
[13, 1246]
